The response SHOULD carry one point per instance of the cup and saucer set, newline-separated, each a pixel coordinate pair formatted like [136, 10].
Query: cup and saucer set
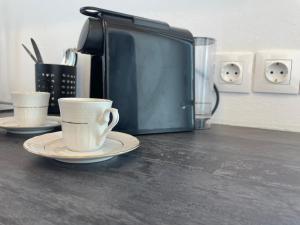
[86, 135]
[30, 114]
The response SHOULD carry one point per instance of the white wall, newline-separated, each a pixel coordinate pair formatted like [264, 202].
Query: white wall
[237, 25]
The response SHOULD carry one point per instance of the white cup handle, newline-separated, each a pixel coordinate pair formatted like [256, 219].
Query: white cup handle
[105, 119]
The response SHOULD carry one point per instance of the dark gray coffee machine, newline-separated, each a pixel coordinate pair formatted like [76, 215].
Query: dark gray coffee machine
[145, 66]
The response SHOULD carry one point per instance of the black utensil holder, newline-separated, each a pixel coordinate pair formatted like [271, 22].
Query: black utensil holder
[58, 80]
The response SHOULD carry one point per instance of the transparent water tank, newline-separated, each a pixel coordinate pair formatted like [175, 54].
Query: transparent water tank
[205, 50]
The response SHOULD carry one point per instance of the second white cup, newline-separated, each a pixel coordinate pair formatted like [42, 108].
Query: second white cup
[30, 108]
[85, 122]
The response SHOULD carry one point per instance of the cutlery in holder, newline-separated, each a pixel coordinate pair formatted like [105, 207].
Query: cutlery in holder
[58, 80]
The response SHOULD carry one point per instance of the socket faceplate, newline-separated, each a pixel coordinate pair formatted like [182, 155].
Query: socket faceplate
[277, 71]
[234, 71]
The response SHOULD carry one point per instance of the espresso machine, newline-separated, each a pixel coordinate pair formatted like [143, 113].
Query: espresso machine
[146, 67]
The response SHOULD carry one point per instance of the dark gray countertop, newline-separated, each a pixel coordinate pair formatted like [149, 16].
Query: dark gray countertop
[225, 175]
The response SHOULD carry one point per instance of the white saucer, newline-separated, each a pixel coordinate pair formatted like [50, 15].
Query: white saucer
[10, 125]
[52, 146]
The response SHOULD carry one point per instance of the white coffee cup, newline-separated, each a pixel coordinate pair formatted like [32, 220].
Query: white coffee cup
[85, 122]
[30, 108]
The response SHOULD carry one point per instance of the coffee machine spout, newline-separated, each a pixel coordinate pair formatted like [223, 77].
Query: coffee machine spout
[91, 37]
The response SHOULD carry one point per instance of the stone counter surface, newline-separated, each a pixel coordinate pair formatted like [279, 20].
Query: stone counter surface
[225, 175]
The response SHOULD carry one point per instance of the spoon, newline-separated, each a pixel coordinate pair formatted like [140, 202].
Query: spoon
[70, 57]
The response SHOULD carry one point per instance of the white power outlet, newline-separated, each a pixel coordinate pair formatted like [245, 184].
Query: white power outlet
[231, 72]
[234, 71]
[277, 71]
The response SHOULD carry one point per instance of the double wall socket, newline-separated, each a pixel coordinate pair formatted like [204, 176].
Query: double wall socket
[277, 71]
[234, 71]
